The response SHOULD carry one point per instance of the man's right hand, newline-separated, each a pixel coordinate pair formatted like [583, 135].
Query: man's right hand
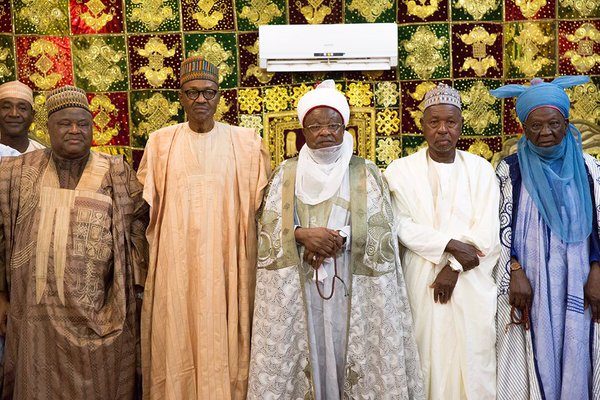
[4, 306]
[319, 241]
[520, 294]
[466, 254]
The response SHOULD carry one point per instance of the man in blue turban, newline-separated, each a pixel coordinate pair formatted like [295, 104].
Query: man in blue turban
[548, 275]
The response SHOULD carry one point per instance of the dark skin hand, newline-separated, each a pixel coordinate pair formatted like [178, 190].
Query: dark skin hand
[4, 306]
[319, 243]
[520, 294]
[466, 254]
[444, 284]
[591, 291]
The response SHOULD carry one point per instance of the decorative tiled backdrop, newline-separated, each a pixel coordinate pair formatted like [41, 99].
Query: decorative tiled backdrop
[126, 54]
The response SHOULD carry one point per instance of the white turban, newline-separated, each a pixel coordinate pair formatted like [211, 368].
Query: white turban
[324, 95]
[18, 90]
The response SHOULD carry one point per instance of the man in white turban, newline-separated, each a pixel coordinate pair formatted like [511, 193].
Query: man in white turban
[16, 116]
[331, 317]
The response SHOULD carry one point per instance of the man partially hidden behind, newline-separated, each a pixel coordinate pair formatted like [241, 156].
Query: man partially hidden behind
[332, 320]
[204, 182]
[446, 205]
[16, 116]
[549, 273]
[72, 255]
[6, 151]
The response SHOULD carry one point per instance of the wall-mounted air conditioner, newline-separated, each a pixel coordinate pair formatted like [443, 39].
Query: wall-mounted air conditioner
[337, 47]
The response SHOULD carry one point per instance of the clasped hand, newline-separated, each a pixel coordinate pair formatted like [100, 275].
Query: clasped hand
[466, 254]
[319, 244]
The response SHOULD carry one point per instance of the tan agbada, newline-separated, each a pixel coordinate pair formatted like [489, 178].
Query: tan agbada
[203, 190]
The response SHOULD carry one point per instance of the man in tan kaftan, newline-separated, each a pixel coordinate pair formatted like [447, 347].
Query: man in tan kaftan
[204, 182]
[72, 250]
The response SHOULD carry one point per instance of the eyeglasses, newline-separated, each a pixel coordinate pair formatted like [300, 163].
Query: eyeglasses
[330, 128]
[193, 94]
[537, 127]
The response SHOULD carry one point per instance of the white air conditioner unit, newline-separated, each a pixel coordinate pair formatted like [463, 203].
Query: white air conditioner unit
[337, 47]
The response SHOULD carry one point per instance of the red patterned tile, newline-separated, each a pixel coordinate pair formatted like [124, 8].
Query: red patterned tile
[96, 16]
[578, 49]
[44, 62]
[111, 120]
[477, 50]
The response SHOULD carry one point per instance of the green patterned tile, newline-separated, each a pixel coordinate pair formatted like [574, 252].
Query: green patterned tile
[100, 63]
[481, 111]
[530, 49]
[218, 48]
[152, 15]
[151, 110]
[43, 17]
[253, 13]
[358, 11]
[423, 51]
[7, 59]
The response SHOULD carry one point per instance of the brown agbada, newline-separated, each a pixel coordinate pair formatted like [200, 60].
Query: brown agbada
[72, 247]
[203, 190]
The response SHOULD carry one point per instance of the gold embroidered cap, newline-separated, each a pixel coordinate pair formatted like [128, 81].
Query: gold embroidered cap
[18, 90]
[65, 97]
[441, 94]
[197, 67]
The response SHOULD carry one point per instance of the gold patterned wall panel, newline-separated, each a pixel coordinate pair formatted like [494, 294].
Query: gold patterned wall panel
[126, 54]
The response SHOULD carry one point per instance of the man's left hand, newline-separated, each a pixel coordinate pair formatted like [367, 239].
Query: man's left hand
[444, 284]
[315, 260]
[591, 291]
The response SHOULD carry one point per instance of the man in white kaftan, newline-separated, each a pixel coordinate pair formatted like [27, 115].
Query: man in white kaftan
[446, 207]
[331, 319]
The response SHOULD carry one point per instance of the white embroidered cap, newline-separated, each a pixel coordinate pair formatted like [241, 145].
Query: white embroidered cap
[442, 94]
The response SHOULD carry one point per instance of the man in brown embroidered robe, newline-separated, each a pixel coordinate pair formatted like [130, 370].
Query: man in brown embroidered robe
[72, 254]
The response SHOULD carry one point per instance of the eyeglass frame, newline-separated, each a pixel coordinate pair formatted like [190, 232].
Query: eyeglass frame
[529, 126]
[319, 128]
[203, 92]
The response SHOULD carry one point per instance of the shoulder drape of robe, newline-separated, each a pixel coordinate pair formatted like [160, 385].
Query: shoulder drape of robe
[381, 356]
[164, 373]
[56, 351]
[517, 376]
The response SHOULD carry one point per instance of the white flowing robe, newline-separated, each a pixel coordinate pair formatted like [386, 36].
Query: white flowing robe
[327, 331]
[456, 340]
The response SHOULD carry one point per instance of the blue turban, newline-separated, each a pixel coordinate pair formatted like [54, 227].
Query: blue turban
[555, 177]
[541, 94]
